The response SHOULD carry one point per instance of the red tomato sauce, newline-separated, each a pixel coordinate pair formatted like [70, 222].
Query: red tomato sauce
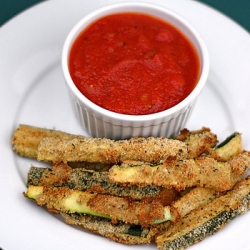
[134, 64]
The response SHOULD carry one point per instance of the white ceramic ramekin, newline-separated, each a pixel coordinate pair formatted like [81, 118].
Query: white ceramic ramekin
[99, 122]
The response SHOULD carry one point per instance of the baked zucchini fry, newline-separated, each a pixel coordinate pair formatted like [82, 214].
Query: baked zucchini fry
[82, 180]
[152, 150]
[204, 142]
[194, 199]
[181, 174]
[230, 147]
[198, 141]
[63, 199]
[207, 220]
[119, 232]
[26, 139]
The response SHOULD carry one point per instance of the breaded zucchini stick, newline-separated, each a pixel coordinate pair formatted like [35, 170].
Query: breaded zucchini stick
[26, 139]
[65, 200]
[198, 141]
[82, 180]
[126, 233]
[151, 150]
[120, 232]
[207, 220]
[194, 199]
[230, 147]
[181, 174]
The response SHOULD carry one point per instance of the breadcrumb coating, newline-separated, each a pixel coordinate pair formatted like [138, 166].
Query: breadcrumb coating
[151, 150]
[181, 174]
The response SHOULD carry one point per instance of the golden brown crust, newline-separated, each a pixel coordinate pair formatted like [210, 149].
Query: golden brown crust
[57, 176]
[180, 174]
[26, 139]
[239, 165]
[151, 150]
[166, 196]
[144, 213]
[198, 141]
[53, 198]
[203, 172]
[194, 199]
[132, 212]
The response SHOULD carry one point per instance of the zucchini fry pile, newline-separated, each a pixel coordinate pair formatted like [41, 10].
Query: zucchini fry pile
[174, 192]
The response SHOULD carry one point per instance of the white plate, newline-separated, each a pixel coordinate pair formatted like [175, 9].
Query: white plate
[33, 92]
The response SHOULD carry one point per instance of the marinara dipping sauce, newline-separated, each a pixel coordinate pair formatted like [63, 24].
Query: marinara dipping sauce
[133, 64]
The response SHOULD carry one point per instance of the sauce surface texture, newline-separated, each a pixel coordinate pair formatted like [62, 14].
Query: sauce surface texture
[133, 64]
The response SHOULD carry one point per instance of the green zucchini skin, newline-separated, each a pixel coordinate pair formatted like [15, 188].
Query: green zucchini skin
[207, 229]
[206, 221]
[120, 232]
[230, 147]
[120, 227]
[227, 140]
